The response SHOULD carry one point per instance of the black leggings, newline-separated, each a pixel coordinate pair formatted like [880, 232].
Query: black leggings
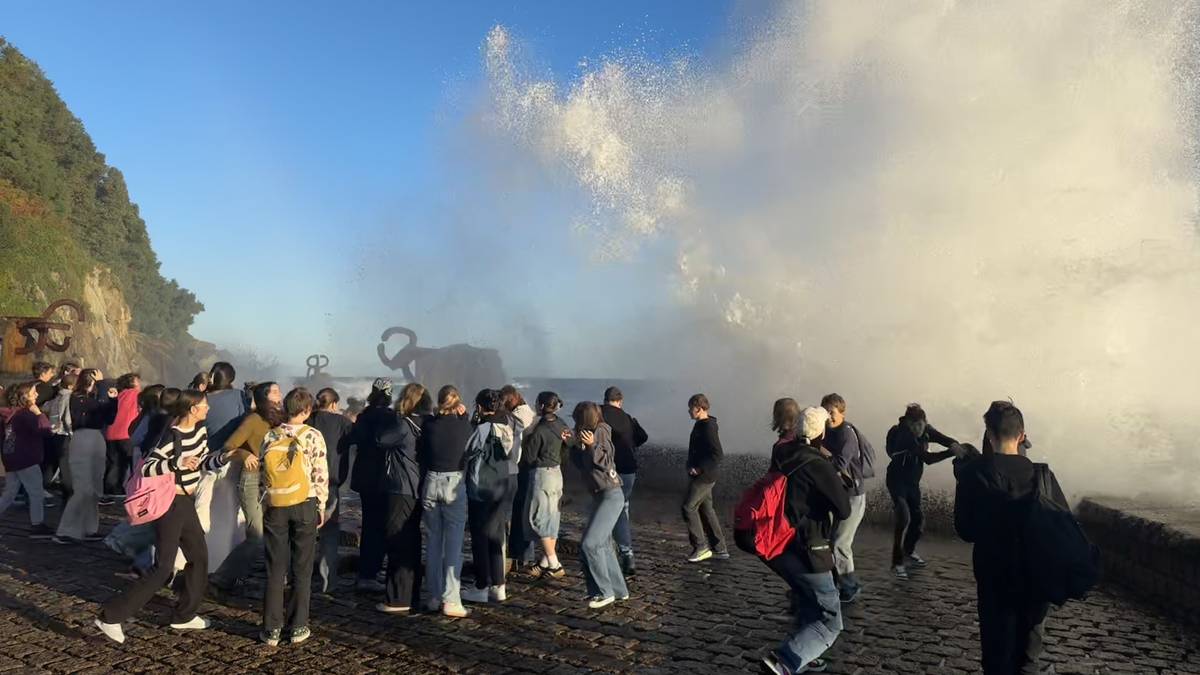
[909, 520]
[487, 525]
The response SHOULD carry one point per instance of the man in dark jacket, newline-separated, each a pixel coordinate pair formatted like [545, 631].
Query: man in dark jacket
[989, 504]
[703, 464]
[627, 436]
[908, 447]
[815, 498]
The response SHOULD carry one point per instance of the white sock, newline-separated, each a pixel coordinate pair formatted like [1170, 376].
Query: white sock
[552, 562]
[544, 562]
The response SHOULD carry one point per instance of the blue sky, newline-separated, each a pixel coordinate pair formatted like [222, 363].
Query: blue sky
[305, 168]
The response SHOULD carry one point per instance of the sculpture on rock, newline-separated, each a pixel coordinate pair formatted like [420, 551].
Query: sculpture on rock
[316, 365]
[26, 337]
[466, 367]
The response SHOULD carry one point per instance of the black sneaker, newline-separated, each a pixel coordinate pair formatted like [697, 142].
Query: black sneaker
[40, 531]
[95, 536]
[628, 569]
[105, 501]
[721, 555]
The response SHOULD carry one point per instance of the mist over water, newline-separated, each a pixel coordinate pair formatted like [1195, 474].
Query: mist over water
[939, 202]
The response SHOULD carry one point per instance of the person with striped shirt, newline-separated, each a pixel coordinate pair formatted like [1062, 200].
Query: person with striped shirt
[184, 452]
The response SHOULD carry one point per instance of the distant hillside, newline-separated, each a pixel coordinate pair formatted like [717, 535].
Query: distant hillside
[64, 210]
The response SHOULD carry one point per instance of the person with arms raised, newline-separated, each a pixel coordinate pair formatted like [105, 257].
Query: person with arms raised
[593, 452]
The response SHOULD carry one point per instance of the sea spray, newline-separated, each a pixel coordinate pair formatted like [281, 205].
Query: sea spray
[935, 201]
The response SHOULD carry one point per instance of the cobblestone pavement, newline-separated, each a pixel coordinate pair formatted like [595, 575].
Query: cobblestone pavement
[715, 617]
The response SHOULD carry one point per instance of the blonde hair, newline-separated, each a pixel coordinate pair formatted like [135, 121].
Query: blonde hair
[448, 400]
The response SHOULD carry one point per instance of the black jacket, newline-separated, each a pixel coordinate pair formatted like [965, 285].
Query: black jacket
[816, 497]
[368, 474]
[627, 436]
[91, 412]
[335, 428]
[443, 444]
[704, 450]
[397, 442]
[543, 446]
[910, 454]
[990, 503]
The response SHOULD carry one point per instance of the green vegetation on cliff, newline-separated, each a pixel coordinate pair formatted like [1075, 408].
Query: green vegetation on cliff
[63, 210]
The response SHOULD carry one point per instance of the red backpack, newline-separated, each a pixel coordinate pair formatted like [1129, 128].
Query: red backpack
[760, 525]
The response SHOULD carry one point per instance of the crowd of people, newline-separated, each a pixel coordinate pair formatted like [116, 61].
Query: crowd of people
[434, 466]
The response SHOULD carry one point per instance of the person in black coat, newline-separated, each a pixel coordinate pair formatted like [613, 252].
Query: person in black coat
[989, 504]
[815, 498]
[367, 479]
[627, 436]
[908, 447]
[335, 428]
[703, 465]
[397, 441]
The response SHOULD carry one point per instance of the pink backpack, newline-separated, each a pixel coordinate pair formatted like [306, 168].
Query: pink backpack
[148, 498]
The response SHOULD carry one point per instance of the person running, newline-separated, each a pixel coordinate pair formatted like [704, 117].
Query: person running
[335, 429]
[594, 454]
[80, 519]
[119, 450]
[245, 447]
[55, 471]
[542, 456]
[814, 498]
[398, 441]
[183, 452]
[844, 445]
[703, 465]
[23, 433]
[136, 541]
[989, 502]
[908, 447]
[627, 435]
[368, 480]
[521, 538]
[295, 486]
[442, 452]
[487, 494]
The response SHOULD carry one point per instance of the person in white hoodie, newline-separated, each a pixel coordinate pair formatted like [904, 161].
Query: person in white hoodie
[520, 551]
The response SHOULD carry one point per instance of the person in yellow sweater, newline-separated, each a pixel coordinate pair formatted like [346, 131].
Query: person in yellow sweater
[246, 444]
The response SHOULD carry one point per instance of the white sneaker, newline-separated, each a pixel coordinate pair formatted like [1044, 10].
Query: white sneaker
[197, 623]
[112, 631]
[477, 595]
[900, 572]
[455, 611]
[597, 603]
[916, 560]
[497, 593]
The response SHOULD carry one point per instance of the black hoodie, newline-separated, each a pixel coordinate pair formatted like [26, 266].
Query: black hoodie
[910, 454]
[704, 450]
[990, 503]
[816, 497]
[543, 446]
[627, 435]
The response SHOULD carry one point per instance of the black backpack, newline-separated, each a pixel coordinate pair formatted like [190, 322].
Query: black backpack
[1061, 563]
[866, 453]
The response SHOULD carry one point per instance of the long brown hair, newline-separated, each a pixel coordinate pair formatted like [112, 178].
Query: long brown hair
[510, 398]
[414, 398]
[587, 416]
[87, 381]
[188, 399]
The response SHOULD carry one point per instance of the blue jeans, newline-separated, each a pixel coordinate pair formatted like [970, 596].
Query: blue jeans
[444, 499]
[622, 532]
[600, 566]
[818, 610]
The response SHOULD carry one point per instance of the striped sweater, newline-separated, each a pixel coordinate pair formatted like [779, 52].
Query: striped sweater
[177, 445]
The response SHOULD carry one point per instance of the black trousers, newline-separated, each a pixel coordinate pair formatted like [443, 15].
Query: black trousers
[521, 537]
[372, 545]
[55, 455]
[118, 457]
[486, 521]
[909, 520]
[703, 526]
[403, 536]
[178, 528]
[1010, 631]
[290, 535]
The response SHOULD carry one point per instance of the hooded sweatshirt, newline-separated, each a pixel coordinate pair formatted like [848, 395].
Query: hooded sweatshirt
[598, 462]
[543, 447]
[397, 442]
[909, 454]
[815, 498]
[522, 417]
[22, 441]
[627, 436]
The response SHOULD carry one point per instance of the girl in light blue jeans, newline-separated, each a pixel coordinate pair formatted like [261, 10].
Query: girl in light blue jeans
[595, 457]
[440, 449]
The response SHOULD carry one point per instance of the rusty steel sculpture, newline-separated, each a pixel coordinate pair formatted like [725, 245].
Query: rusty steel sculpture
[403, 359]
[316, 365]
[37, 329]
